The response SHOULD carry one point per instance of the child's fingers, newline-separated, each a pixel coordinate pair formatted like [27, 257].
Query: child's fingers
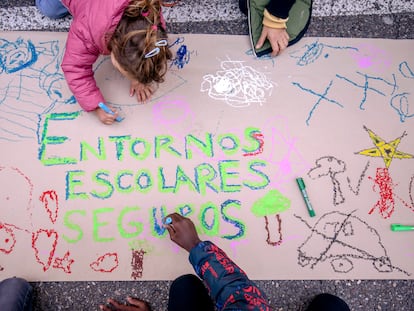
[261, 40]
[142, 305]
[132, 91]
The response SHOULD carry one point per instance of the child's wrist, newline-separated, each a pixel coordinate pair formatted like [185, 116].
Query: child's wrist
[274, 22]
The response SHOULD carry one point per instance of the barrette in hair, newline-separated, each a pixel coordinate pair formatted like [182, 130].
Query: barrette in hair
[145, 13]
[162, 42]
[156, 50]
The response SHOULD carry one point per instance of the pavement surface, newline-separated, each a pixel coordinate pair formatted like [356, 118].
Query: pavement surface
[392, 19]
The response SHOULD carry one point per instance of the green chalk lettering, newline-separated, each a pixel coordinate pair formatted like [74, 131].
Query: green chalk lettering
[141, 154]
[101, 178]
[249, 134]
[252, 168]
[185, 209]
[229, 143]
[223, 167]
[206, 146]
[181, 179]
[98, 153]
[161, 182]
[97, 224]
[135, 225]
[143, 181]
[55, 140]
[237, 223]
[72, 182]
[119, 144]
[73, 226]
[123, 184]
[163, 142]
[210, 223]
[204, 176]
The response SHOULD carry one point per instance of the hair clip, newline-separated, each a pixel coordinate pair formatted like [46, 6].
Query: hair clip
[156, 50]
[152, 53]
[162, 42]
[154, 27]
[144, 13]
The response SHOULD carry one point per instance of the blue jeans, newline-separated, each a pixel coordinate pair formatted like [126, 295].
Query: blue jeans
[52, 8]
[15, 295]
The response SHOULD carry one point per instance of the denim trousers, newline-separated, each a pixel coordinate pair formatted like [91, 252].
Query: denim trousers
[52, 8]
[15, 295]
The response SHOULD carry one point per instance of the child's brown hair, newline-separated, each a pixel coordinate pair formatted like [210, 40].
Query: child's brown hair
[139, 42]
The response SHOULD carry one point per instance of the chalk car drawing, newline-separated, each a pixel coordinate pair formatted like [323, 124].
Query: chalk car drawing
[342, 239]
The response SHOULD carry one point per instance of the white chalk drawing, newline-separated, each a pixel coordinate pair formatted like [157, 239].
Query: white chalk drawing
[238, 85]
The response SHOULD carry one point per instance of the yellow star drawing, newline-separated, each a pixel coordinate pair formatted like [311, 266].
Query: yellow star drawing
[386, 150]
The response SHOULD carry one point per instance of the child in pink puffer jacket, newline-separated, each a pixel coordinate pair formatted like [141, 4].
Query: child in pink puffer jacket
[133, 32]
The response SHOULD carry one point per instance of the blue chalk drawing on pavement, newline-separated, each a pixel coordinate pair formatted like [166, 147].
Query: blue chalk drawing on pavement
[392, 87]
[311, 52]
[21, 107]
[182, 56]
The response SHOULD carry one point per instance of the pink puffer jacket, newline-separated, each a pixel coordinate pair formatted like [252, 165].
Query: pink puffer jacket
[87, 38]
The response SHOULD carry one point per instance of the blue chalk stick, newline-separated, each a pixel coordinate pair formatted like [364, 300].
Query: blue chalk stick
[107, 110]
[168, 221]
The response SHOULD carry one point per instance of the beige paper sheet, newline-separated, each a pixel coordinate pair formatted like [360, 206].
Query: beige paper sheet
[221, 142]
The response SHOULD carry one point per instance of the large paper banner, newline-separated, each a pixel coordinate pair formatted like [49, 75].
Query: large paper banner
[222, 141]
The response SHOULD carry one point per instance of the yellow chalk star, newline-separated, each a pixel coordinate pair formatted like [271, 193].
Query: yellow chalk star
[386, 150]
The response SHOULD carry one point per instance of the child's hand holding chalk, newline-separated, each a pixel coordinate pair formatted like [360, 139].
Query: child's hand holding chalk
[107, 115]
[182, 231]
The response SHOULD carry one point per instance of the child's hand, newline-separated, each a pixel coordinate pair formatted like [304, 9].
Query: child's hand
[278, 38]
[143, 91]
[182, 231]
[106, 118]
[133, 305]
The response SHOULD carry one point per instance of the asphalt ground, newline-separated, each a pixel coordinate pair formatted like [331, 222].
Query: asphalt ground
[391, 19]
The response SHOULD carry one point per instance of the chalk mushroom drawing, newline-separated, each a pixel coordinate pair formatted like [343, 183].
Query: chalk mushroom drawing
[272, 204]
[330, 166]
[336, 238]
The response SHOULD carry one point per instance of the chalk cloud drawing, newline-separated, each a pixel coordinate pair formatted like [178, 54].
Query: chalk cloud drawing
[238, 85]
[336, 239]
[106, 263]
